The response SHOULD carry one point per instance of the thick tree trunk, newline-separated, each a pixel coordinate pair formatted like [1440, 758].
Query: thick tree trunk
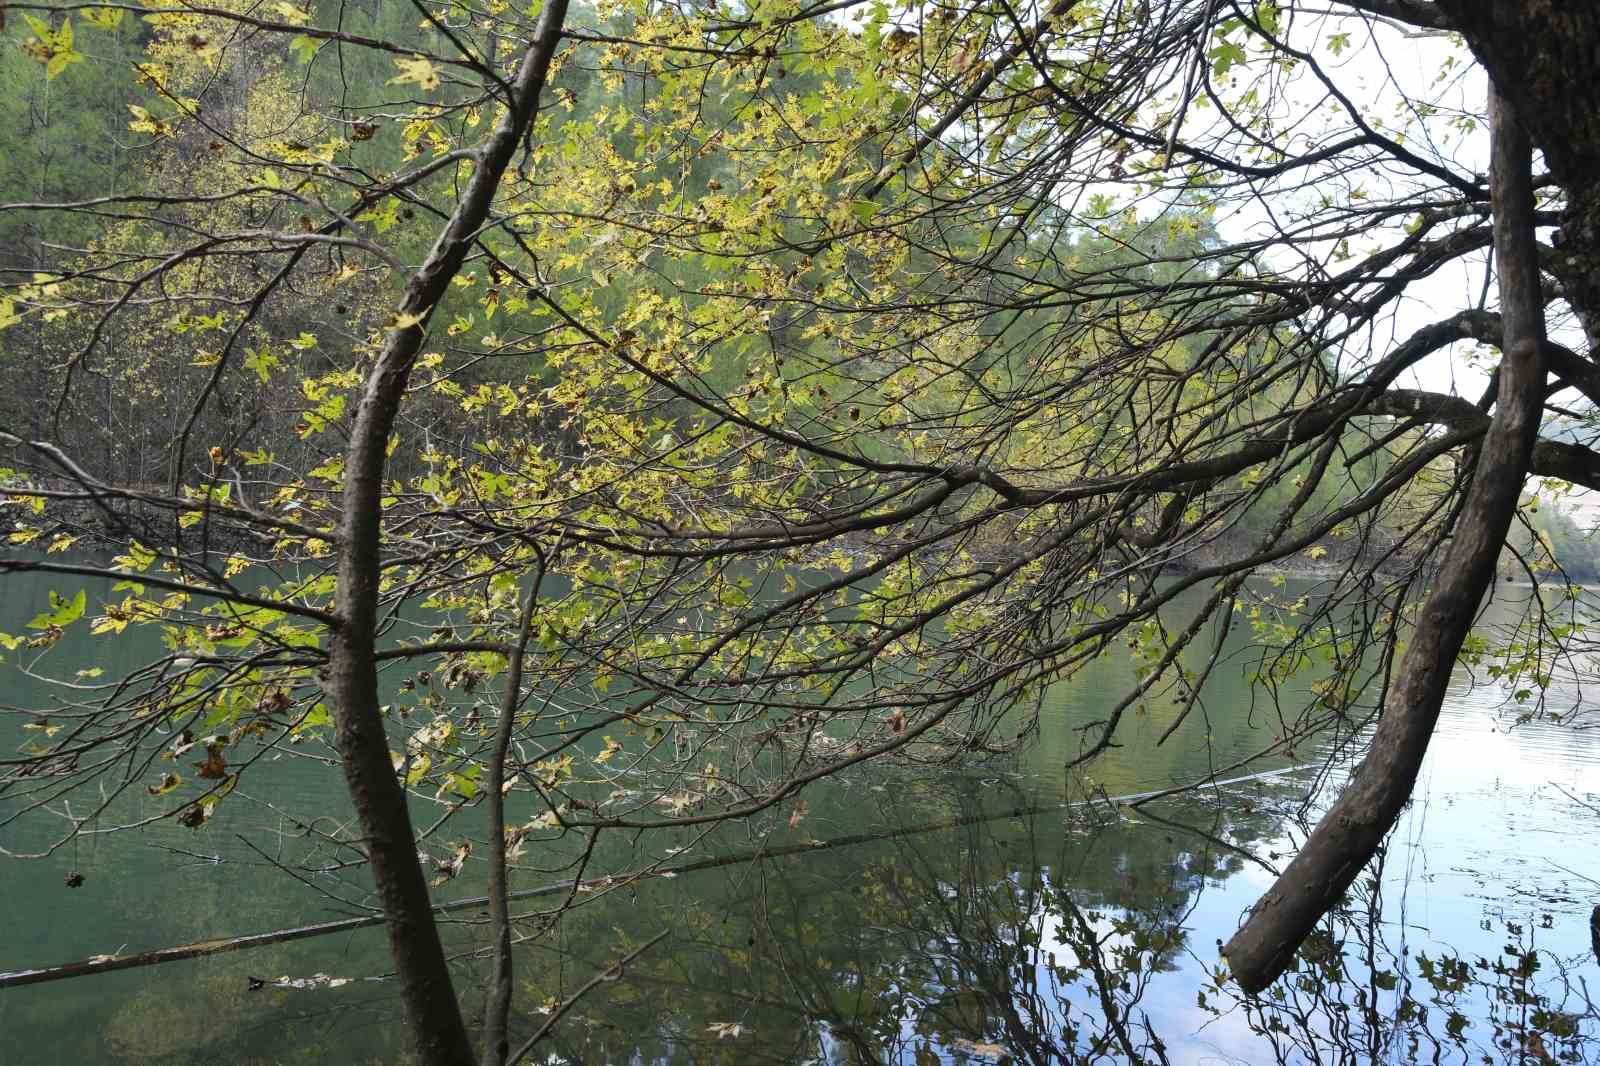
[1543, 54]
[1350, 833]
[352, 680]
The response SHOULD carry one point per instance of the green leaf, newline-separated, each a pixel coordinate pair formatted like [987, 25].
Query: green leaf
[53, 48]
[382, 218]
[262, 361]
[316, 718]
[1267, 15]
[1226, 55]
[62, 612]
[305, 48]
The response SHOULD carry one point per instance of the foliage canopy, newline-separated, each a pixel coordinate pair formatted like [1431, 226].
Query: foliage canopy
[757, 389]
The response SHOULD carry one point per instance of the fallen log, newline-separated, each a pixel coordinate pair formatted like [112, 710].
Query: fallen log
[98, 964]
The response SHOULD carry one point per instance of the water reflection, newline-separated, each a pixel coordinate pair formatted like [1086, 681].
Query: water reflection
[1079, 935]
[998, 933]
[1057, 937]
[939, 924]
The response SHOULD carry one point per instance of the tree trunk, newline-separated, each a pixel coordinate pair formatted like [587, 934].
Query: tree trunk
[1350, 833]
[426, 988]
[1543, 55]
[497, 1001]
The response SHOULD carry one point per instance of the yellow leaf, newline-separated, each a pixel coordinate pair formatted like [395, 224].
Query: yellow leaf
[290, 14]
[168, 783]
[144, 122]
[417, 70]
[980, 1049]
[53, 48]
[102, 18]
[152, 74]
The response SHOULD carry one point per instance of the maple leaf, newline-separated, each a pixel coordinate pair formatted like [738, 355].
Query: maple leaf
[144, 122]
[102, 18]
[214, 767]
[417, 70]
[677, 804]
[52, 47]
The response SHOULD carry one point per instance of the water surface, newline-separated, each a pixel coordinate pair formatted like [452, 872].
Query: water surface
[914, 915]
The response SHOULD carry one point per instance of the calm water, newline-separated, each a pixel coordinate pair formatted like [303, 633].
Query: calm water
[914, 916]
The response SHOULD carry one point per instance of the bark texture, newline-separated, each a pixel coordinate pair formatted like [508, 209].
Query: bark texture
[1543, 55]
[426, 989]
[1352, 830]
[497, 1003]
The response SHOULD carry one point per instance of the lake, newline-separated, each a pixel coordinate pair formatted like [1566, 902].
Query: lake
[994, 912]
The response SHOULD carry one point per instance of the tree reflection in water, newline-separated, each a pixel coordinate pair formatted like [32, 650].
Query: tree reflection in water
[1357, 996]
[1079, 936]
[1048, 938]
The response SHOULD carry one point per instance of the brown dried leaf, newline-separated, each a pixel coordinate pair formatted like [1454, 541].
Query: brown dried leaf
[214, 767]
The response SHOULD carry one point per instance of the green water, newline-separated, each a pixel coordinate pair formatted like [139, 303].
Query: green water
[915, 915]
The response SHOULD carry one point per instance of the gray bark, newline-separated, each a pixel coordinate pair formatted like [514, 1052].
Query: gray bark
[497, 1004]
[1350, 833]
[426, 989]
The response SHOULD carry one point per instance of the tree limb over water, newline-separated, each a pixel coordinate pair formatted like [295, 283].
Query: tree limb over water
[871, 376]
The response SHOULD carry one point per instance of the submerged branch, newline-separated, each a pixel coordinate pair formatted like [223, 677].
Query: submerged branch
[98, 964]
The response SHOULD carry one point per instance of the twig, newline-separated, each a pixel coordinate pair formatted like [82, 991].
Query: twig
[610, 974]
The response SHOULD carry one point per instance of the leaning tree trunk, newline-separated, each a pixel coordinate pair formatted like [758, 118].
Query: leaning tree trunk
[1543, 54]
[1350, 833]
[426, 989]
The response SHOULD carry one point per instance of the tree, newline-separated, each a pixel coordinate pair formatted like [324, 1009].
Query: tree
[769, 389]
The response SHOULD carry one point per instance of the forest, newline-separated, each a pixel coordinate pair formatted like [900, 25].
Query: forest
[583, 436]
